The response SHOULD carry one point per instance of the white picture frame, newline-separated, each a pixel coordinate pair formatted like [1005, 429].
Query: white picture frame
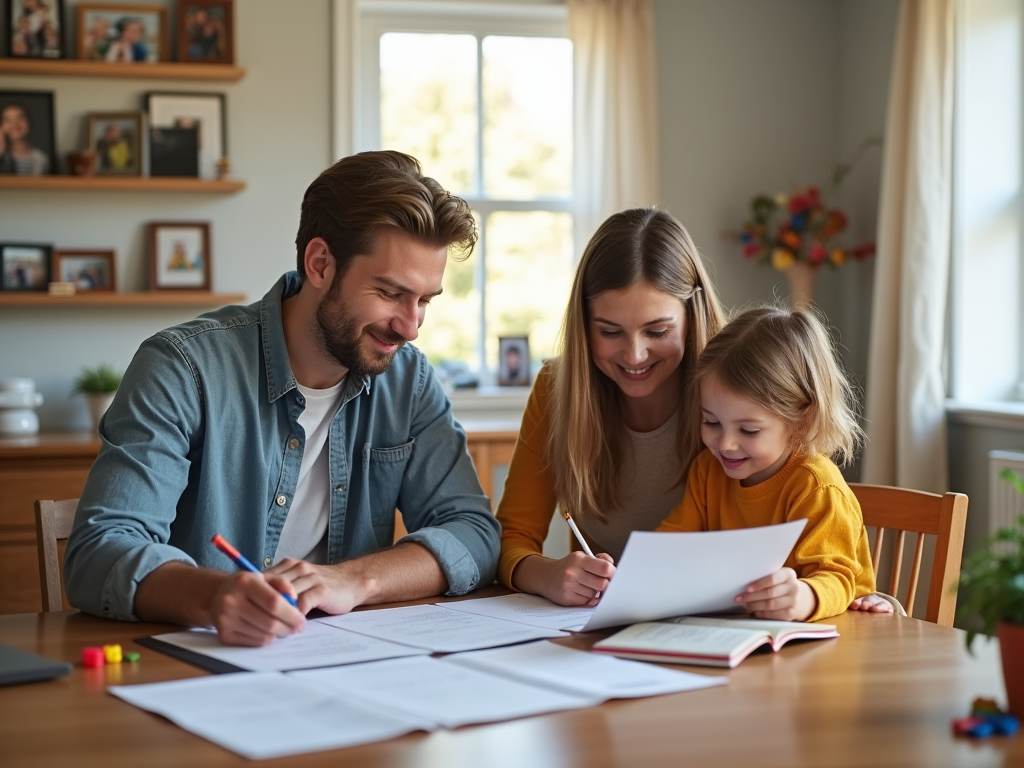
[180, 110]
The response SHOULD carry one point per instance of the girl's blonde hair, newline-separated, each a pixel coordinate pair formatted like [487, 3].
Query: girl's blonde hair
[784, 361]
[584, 447]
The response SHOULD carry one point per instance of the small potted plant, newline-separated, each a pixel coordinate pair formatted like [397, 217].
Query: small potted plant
[994, 582]
[98, 386]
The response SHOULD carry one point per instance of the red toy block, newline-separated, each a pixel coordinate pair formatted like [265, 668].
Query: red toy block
[93, 657]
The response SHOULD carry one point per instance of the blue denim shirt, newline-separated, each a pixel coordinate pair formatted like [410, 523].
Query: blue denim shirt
[203, 438]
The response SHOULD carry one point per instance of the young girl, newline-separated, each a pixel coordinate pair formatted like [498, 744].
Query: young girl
[775, 405]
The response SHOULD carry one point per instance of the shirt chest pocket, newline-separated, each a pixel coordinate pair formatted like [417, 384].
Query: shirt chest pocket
[384, 469]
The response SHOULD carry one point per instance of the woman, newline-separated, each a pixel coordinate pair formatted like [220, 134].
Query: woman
[603, 435]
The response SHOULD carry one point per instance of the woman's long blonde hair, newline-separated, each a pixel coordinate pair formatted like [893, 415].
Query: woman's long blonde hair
[584, 448]
[785, 361]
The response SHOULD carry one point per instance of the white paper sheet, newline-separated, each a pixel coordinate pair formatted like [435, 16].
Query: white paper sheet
[672, 574]
[534, 610]
[318, 645]
[266, 714]
[450, 694]
[438, 629]
[554, 666]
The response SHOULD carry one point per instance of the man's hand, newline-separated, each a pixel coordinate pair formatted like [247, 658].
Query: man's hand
[576, 579]
[248, 609]
[780, 596]
[326, 587]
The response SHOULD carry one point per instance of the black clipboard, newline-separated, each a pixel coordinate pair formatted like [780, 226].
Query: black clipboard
[210, 664]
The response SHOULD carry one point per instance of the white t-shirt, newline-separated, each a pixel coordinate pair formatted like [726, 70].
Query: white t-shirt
[304, 535]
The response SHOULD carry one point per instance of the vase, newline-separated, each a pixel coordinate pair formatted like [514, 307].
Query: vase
[1011, 649]
[801, 277]
[98, 404]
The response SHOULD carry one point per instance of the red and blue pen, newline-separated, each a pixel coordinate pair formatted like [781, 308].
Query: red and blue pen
[220, 543]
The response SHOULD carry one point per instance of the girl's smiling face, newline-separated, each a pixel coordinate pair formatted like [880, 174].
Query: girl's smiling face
[749, 441]
[637, 338]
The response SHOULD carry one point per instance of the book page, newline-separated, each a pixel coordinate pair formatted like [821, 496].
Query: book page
[261, 715]
[318, 645]
[449, 694]
[672, 574]
[437, 629]
[534, 610]
[777, 630]
[684, 639]
[548, 664]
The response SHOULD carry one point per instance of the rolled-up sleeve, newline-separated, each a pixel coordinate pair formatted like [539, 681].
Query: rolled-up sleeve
[442, 503]
[122, 526]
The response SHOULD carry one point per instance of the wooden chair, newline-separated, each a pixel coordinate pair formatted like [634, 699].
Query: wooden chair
[53, 524]
[922, 513]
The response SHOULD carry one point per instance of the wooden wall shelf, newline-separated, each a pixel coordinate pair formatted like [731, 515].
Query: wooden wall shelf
[170, 70]
[111, 299]
[121, 184]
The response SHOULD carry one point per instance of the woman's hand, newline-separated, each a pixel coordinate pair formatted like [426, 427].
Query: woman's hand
[577, 579]
[780, 596]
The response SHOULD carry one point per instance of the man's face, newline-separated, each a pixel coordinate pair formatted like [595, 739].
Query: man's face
[379, 304]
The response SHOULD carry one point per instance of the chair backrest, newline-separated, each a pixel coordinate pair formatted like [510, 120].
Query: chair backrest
[53, 524]
[903, 510]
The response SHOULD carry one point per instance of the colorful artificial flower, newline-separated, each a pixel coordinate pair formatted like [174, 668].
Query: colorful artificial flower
[782, 259]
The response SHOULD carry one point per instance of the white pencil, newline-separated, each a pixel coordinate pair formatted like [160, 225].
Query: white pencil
[578, 535]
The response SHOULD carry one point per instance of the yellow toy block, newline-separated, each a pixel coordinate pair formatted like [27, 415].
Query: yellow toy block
[112, 653]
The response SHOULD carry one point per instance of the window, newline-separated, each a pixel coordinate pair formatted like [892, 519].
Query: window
[987, 277]
[481, 95]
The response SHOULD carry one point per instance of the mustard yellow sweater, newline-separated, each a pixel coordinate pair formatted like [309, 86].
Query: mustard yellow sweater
[831, 555]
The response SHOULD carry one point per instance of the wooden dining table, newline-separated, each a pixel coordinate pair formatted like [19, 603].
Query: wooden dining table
[883, 694]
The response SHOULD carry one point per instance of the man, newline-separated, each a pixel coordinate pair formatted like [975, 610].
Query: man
[294, 427]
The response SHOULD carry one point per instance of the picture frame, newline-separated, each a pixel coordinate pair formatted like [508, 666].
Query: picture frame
[25, 266]
[35, 29]
[179, 256]
[514, 361]
[206, 31]
[26, 133]
[205, 111]
[116, 138]
[125, 34]
[89, 270]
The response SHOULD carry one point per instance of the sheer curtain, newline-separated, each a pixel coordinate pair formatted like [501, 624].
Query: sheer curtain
[615, 110]
[906, 429]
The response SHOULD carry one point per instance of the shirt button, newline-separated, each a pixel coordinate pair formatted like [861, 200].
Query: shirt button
[293, 443]
[281, 500]
[266, 562]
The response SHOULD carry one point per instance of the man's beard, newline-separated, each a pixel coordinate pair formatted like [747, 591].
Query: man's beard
[340, 338]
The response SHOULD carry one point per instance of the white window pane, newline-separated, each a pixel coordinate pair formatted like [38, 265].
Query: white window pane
[529, 271]
[428, 105]
[451, 329]
[527, 91]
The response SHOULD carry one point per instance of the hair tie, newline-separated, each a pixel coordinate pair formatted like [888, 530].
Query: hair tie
[696, 288]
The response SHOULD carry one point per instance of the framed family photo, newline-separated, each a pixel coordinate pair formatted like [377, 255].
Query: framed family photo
[26, 133]
[35, 29]
[127, 34]
[89, 270]
[179, 256]
[116, 138]
[514, 361]
[25, 266]
[206, 31]
[203, 112]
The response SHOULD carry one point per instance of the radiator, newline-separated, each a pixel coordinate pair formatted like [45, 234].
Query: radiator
[1005, 503]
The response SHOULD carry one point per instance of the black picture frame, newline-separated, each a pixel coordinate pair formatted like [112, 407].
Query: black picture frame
[35, 29]
[206, 111]
[174, 152]
[25, 266]
[514, 361]
[36, 108]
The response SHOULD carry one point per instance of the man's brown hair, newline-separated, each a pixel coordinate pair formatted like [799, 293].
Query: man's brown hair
[359, 195]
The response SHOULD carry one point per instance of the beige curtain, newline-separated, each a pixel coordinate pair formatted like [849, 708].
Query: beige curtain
[615, 110]
[906, 428]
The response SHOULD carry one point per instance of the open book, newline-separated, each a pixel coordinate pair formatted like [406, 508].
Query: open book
[713, 642]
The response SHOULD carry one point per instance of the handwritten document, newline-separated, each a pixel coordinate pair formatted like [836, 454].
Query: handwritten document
[438, 629]
[525, 609]
[318, 645]
[266, 714]
[672, 574]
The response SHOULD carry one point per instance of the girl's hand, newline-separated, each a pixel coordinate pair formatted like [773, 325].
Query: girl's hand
[872, 604]
[575, 580]
[780, 596]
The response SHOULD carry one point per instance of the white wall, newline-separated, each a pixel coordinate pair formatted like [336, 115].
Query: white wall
[279, 139]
